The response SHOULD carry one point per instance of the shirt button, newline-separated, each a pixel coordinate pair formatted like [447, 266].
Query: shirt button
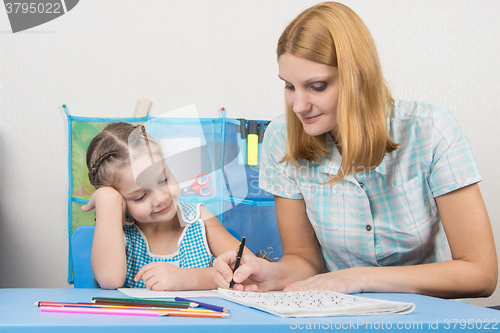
[362, 184]
[368, 227]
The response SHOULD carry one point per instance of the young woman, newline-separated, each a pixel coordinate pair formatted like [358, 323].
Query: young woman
[165, 244]
[369, 191]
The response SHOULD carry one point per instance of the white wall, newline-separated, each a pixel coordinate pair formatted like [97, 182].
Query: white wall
[103, 56]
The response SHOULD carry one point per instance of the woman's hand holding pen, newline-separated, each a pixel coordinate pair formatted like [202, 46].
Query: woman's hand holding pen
[253, 274]
[259, 275]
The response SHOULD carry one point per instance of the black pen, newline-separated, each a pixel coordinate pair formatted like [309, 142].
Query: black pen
[238, 259]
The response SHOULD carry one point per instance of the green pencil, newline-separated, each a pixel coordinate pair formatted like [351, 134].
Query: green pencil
[144, 300]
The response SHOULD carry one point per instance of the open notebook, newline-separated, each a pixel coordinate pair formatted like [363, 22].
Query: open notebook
[315, 303]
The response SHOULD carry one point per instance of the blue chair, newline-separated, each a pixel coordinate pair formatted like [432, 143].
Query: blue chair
[81, 248]
[234, 234]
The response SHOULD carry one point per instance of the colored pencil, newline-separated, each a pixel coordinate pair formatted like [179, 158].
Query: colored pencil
[128, 305]
[42, 303]
[108, 311]
[93, 305]
[197, 314]
[118, 303]
[144, 301]
[204, 305]
[131, 306]
[133, 312]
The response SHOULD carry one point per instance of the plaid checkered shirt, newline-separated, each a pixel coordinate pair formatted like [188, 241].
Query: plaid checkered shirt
[193, 250]
[386, 216]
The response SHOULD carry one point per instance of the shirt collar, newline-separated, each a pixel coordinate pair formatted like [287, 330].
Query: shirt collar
[186, 217]
[331, 166]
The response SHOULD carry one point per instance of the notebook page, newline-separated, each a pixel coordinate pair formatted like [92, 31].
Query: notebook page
[315, 303]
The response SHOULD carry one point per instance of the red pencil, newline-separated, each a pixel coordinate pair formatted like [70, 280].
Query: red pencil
[59, 304]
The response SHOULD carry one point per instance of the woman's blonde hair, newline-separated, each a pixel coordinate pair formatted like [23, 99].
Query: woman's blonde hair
[332, 34]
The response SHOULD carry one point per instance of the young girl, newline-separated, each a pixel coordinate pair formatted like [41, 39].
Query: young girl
[164, 244]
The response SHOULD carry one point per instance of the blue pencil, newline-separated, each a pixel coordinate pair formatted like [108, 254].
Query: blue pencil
[204, 305]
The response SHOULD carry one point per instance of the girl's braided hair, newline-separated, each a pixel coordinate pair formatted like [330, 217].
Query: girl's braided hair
[108, 153]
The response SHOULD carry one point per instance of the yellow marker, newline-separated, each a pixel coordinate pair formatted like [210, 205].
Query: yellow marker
[253, 143]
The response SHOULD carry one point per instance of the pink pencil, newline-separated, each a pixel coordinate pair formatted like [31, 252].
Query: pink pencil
[108, 311]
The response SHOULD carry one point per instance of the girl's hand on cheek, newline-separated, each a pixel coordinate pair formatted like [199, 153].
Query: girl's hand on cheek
[91, 204]
[103, 195]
